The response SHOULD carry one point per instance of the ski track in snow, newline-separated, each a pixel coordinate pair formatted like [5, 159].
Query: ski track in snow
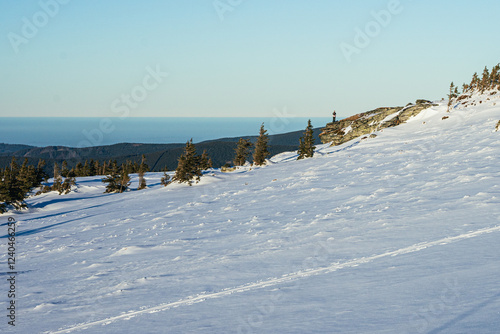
[280, 280]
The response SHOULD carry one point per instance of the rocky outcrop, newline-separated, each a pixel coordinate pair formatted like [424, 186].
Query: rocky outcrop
[365, 123]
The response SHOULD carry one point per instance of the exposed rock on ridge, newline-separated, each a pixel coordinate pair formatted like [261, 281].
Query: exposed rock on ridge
[365, 123]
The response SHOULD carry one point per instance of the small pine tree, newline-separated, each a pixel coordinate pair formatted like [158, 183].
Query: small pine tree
[16, 183]
[188, 167]
[143, 168]
[165, 179]
[495, 77]
[91, 171]
[64, 169]
[474, 84]
[112, 180]
[97, 168]
[41, 175]
[205, 161]
[124, 180]
[79, 170]
[306, 143]
[485, 81]
[4, 192]
[57, 183]
[261, 147]
[242, 152]
[451, 95]
[66, 185]
[465, 88]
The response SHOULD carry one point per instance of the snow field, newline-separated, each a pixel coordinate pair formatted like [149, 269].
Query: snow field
[394, 234]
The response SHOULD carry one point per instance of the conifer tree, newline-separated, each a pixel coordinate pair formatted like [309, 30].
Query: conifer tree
[104, 169]
[188, 167]
[261, 147]
[91, 168]
[165, 179]
[112, 180]
[67, 184]
[57, 183]
[72, 173]
[143, 168]
[485, 81]
[41, 175]
[306, 143]
[474, 84]
[451, 95]
[26, 178]
[465, 88]
[10, 190]
[495, 77]
[4, 192]
[79, 170]
[86, 168]
[64, 169]
[16, 183]
[205, 162]
[124, 180]
[242, 152]
[97, 168]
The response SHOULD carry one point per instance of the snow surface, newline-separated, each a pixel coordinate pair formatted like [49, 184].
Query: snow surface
[393, 234]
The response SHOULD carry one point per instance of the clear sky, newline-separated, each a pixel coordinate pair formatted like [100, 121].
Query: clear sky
[237, 57]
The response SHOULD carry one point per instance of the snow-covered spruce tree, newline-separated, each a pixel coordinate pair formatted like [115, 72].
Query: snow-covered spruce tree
[242, 152]
[306, 143]
[188, 168]
[143, 168]
[261, 147]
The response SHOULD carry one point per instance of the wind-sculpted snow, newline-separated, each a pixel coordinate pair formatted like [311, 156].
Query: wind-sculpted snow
[397, 233]
[276, 281]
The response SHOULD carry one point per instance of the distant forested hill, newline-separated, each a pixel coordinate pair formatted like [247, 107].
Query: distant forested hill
[158, 156]
[11, 148]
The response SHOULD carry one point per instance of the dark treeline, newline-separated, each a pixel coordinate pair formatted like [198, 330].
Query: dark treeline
[159, 156]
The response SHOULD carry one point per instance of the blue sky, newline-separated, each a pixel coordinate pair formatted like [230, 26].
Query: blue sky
[226, 58]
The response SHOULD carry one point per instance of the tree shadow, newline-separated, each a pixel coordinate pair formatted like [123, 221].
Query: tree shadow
[466, 314]
[43, 228]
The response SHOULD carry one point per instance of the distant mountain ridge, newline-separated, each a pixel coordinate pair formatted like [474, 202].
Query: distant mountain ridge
[158, 156]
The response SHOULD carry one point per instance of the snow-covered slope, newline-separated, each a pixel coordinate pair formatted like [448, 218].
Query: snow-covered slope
[393, 234]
